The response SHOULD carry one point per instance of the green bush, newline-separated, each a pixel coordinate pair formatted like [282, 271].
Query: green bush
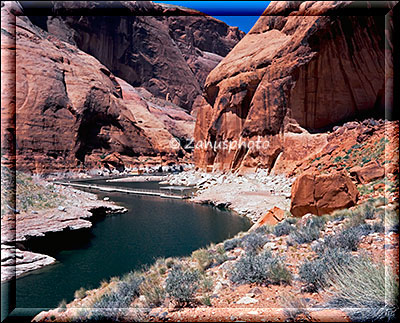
[181, 285]
[260, 268]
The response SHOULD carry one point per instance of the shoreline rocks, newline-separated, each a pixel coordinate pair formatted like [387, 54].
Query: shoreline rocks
[74, 214]
[248, 195]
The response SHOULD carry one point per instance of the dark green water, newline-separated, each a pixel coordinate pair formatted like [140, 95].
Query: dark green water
[153, 227]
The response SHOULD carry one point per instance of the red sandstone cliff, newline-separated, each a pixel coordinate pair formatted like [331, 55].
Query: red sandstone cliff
[102, 90]
[166, 49]
[72, 111]
[303, 67]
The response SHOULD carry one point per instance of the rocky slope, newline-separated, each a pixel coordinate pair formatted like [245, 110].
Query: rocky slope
[166, 49]
[71, 111]
[314, 69]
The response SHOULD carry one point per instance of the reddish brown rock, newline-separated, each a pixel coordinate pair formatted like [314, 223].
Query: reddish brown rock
[272, 217]
[166, 49]
[322, 194]
[71, 111]
[298, 69]
[368, 173]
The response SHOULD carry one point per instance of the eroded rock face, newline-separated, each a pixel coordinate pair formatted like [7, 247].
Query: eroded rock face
[321, 194]
[295, 71]
[72, 111]
[170, 56]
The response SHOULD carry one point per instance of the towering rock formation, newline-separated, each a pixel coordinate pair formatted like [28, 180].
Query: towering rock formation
[74, 109]
[168, 50]
[303, 67]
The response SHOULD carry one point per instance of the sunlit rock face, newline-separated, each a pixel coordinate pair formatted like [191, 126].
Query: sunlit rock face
[302, 68]
[166, 49]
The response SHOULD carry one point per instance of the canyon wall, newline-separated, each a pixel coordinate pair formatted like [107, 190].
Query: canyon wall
[113, 91]
[166, 49]
[71, 111]
[302, 68]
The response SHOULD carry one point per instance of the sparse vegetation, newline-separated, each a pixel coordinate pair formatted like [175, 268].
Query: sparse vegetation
[260, 268]
[181, 285]
[62, 307]
[308, 232]
[314, 273]
[283, 228]
[253, 241]
[293, 307]
[368, 291]
[80, 293]
[33, 195]
[203, 257]
[231, 244]
[153, 290]
[113, 305]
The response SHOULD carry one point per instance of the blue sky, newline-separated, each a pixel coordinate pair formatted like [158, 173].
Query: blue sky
[243, 14]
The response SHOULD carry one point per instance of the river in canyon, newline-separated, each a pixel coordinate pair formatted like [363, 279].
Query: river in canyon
[153, 227]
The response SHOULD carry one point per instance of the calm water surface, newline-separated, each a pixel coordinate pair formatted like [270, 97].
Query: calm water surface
[153, 227]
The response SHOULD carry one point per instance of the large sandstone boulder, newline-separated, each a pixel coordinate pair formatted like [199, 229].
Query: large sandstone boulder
[166, 49]
[303, 67]
[322, 194]
[71, 111]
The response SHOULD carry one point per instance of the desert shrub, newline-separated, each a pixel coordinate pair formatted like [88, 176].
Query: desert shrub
[203, 257]
[379, 201]
[391, 219]
[253, 241]
[206, 300]
[232, 244]
[290, 218]
[347, 239]
[80, 293]
[206, 283]
[113, 305]
[219, 256]
[314, 273]
[368, 210]
[169, 262]
[263, 229]
[260, 268]
[308, 232]
[181, 285]
[339, 215]
[294, 306]
[153, 290]
[283, 228]
[366, 290]
[62, 307]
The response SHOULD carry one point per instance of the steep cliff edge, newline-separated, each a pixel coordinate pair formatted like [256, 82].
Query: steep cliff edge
[166, 49]
[302, 68]
[71, 111]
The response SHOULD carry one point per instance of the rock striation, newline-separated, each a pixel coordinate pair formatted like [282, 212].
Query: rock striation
[72, 112]
[302, 68]
[166, 49]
